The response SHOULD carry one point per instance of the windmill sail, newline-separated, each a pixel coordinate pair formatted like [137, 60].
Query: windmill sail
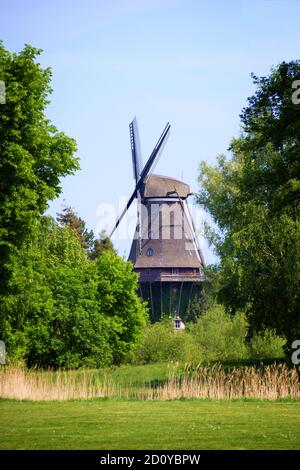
[156, 152]
[136, 153]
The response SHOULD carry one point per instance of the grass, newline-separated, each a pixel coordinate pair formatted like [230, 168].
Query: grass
[135, 424]
[157, 382]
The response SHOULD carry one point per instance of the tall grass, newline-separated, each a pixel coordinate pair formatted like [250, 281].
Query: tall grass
[23, 384]
[267, 382]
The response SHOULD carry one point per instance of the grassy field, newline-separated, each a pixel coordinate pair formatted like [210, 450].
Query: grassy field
[133, 424]
[130, 408]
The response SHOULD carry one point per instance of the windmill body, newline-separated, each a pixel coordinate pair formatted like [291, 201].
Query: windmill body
[165, 250]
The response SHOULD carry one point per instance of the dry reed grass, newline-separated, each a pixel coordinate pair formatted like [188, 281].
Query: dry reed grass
[268, 382]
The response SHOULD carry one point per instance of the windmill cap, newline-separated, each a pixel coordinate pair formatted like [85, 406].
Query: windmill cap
[163, 186]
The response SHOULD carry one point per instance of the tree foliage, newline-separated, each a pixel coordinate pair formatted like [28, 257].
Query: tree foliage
[68, 311]
[94, 247]
[254, 198]
[69, 218]
[66, 299]
[101, 245]
[33, 154]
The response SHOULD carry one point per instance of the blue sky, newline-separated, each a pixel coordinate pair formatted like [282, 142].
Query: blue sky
[184, 61]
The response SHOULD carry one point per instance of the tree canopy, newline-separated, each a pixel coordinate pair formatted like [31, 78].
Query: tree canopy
[94, 247]
[66, 299]
[254, 198]
[34, 155]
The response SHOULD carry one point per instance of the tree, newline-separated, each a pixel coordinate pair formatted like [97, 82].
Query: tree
[254, 198]
[68, 217]
[94, 247]
[58, 308]
[101, 246]
[63, 325]
[33, 154]
[69, 311]
[117, 298]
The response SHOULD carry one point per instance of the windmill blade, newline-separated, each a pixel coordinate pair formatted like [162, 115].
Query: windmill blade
[155, 154]
[194, 234]
[129, 202]
[151, 160]
[136, 153]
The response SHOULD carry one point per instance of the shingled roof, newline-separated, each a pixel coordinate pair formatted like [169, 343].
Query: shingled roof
[167, 240]
[163, 186]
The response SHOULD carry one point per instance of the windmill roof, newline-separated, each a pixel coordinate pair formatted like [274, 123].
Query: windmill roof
[166, 254]
[163, 186]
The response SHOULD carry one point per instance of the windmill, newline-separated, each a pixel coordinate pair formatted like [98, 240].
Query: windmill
[165, 250]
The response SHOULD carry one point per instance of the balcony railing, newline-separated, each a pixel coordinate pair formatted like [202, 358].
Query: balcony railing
[171, 277]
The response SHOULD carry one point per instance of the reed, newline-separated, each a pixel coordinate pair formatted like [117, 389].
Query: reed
[270, 382]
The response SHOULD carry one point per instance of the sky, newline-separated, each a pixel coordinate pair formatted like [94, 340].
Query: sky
[187, 62]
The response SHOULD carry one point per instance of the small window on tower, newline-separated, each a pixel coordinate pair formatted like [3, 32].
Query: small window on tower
[149, 252]
[150, 235]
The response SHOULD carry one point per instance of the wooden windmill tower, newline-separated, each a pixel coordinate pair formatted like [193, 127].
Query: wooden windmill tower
[165, 250]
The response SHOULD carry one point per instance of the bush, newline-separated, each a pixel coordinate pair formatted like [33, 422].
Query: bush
[216, 336]
[161, 342]
[266, 345]
[220, 335]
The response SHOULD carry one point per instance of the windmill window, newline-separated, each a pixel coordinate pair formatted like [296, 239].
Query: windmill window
[150, 235]
[190, 253]
[149, 252]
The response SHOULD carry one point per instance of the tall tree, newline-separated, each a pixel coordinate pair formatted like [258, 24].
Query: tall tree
[75, 313]
[254, 198]
[33, 154]
[68, 217]
[102, 245]
[94, 247]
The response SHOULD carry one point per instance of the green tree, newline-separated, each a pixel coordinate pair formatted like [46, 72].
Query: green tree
[33, 158]
[68, 217]
[63, 326]
[69, 311]
[94, 247]
[117, 298]
[101, 245]
[33, 154]
[254, 199]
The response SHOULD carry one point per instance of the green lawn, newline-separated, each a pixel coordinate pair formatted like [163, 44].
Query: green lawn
[129, 424]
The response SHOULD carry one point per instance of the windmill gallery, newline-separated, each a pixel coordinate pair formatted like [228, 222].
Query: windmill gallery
[165, 250]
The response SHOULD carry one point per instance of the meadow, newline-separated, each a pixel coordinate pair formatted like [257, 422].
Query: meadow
[154, 424]
[157, 406]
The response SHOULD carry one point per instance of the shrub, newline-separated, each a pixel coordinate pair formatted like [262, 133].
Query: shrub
[266, 345]
[220, 335]
[160, 342]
